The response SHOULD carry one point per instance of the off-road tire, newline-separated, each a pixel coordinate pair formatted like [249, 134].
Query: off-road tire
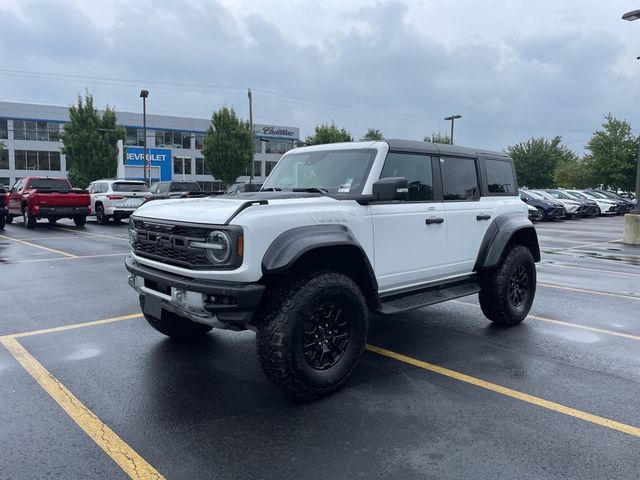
[100, 216]
[9, 218]
[174, 326]
[289, 309]
[499, 287]
[28, 219]
[80, 220]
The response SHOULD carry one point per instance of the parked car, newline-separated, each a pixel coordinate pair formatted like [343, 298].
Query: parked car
[242, 187]
[572, 208]
[34, 198]
[116, 199]
[626, 202]
[338, 231]
[4, 203]
[533, 213]
[589, 208]
[604, 206]
[615, 207]
[176, 189]
[547, 209]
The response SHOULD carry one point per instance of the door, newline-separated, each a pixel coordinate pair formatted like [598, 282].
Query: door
[409, 236]
[468, 215]
[15, 199]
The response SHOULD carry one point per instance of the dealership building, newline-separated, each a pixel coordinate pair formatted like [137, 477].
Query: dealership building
[31, 135]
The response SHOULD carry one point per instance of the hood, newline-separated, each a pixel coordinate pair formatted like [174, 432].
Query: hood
[209, 210]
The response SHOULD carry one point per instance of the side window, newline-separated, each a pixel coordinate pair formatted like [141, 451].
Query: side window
[416, 169]
[500, 178]
[91, 188]
[459, 179]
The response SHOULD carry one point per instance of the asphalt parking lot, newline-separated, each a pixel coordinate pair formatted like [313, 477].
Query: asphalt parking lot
[88, 390]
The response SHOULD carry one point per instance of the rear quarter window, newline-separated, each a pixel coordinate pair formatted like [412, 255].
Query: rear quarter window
[500, 177]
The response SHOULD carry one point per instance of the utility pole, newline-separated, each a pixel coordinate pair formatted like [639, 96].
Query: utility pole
[452, 118]
[144, 94]
[252, 132]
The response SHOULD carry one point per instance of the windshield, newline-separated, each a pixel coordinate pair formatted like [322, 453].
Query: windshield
[49, 184]
[129, 187]
[336, 171]
[544, 195]
[577, 195]
[536, 195]
[557, 194]
[595, 195]
[609, 195]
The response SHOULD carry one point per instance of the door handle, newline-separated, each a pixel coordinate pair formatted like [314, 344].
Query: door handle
[431, 220]
[483, 217]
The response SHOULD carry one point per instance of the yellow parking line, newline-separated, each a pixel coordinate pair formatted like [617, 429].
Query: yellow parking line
[120, 452]
[60, 252]
[59, 227]
[77, 257]
[73, 326]
[524, 397]
[584, 290]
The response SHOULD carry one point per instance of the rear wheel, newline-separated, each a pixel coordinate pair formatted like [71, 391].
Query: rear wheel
[28, 220]
[80, 220]
[100, 216]
[312, 334]
[173, 325]
[507, 294]
[3, 222]
[9, 218]
[52, 220]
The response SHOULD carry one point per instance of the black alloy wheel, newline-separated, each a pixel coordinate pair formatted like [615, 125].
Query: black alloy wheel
[518, 285]
[326, 336]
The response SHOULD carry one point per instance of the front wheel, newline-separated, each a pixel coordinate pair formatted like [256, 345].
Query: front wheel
[3, 222]
[507, 294]
[542, 215]
[80, 220]
[312, 334]
[173, 325]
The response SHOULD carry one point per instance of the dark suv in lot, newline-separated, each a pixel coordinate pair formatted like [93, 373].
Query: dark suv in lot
[547, 209]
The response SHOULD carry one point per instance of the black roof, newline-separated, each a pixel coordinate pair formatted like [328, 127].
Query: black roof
[439, 148]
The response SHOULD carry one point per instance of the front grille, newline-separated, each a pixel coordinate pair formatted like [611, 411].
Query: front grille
[170, 243]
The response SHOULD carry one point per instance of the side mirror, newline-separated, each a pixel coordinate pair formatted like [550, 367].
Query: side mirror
[251, 187]
[388, 189]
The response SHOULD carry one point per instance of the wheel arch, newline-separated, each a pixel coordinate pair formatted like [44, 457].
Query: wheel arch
[330, 247]
[507, 229]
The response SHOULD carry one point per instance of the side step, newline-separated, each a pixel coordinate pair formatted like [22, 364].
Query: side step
[425, 297]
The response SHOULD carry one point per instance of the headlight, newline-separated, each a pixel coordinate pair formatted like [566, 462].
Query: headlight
[218, 247]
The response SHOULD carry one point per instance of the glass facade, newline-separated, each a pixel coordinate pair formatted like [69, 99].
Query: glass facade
[36, 131]
[4, 159]
[4, 130]
[37, 160]
[171, 139]
[135, 137]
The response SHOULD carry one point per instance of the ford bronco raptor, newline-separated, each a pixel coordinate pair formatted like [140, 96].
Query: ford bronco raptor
[337, 231]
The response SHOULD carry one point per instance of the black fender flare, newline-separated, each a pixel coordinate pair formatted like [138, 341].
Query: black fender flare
[502, 230]
[290, 246]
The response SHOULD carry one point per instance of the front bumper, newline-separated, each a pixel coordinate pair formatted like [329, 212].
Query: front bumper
[202, 301]
[556, 212]
[63, 211]
[4, 212]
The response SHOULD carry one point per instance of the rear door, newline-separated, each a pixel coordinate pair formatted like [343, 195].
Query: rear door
[409, 236]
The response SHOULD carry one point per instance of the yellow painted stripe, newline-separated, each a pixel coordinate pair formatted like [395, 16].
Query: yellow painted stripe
[79, 232]
[70, 258]
[74, 326]
[524, 397]
[120, 452]
[39, 246]
[584, 290]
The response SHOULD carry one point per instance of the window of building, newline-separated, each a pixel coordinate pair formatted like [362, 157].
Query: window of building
[257, 145]
[19, 130]
[459, 178]
[4, 130]
[499, 176]
[31, 129]
[135, 137]
[199, 137]
[181, 165]
[54, 161]
[201, 167]
[5, 182]
[54, 131]
[42, 132]
[171, 139]
[416, 169]
[268, 167]
[32, 160]
[4, 159]
[277, 146]
[37, 160]
[186, 140]
[20, 159]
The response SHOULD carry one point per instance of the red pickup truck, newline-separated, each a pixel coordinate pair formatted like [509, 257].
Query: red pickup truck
[51, 198]
[4, 201]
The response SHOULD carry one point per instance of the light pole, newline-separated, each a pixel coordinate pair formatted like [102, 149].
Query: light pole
[144, 94]
[632, 219]
[453, 119]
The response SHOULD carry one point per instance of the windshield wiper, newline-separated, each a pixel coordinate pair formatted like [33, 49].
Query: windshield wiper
[323, 191]
[271, 189]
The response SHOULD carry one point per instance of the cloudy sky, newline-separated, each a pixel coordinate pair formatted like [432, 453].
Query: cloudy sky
[513, 69]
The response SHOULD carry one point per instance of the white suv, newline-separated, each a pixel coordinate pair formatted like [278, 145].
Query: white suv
[116, 199]
[337, 231]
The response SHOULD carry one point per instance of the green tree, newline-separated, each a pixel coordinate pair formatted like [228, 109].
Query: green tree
[228, 146]
[613, 152]
[328, 133]
[536, 160]
[437, 137]
[574, 172]
[373, 134]
[90, 142]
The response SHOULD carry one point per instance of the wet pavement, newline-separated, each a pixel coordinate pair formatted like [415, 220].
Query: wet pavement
[452, 397]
